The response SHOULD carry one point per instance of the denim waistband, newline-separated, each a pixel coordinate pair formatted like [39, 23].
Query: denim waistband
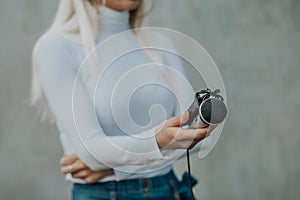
[126, 185]
[143, 185]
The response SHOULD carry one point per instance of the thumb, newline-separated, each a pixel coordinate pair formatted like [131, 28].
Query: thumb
[68, 159]
[177, 120]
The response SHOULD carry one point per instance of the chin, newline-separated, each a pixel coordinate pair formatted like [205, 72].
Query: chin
[130, 4]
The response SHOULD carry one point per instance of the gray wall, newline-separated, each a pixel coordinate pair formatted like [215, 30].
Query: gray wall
[256, 45]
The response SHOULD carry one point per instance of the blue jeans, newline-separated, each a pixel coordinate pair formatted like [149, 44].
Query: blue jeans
[160, 187]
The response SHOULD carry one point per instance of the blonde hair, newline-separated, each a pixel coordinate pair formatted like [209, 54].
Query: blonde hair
[75, 17]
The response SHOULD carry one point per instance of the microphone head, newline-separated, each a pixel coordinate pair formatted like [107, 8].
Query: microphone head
[212, 111]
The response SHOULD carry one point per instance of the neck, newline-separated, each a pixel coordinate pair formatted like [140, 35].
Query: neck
[112, 21]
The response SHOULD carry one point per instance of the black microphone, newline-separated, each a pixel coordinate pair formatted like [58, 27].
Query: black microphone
[207, 109]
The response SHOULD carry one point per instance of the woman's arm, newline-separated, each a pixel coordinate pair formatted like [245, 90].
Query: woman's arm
[58, 74]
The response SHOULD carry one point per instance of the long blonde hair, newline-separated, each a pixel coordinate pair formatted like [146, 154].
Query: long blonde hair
[75, 17]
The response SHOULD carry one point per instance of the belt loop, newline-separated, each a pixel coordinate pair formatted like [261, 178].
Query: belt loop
[113, 195]
[146, 186]
[174, 184]
[113, 191]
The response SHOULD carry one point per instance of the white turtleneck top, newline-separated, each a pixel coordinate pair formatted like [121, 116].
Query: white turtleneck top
[105, 141]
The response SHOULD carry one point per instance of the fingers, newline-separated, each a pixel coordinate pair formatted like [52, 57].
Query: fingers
[177, 120]
[95, 176]
[192, 134]
[68, 159]
[76, 166]
[82, 173]
[90, 176]
[186, 138]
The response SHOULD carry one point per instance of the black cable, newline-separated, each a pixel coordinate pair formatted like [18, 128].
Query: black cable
[189, 172]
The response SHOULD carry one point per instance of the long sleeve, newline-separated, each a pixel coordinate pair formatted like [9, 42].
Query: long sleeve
[57, 72]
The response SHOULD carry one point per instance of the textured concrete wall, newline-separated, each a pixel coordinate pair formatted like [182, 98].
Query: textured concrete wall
[256, 45]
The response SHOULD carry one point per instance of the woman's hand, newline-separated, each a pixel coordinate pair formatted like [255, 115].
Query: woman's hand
[70, 163]
[169, 134]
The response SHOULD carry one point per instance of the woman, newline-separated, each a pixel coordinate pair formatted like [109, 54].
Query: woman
[98, 170]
